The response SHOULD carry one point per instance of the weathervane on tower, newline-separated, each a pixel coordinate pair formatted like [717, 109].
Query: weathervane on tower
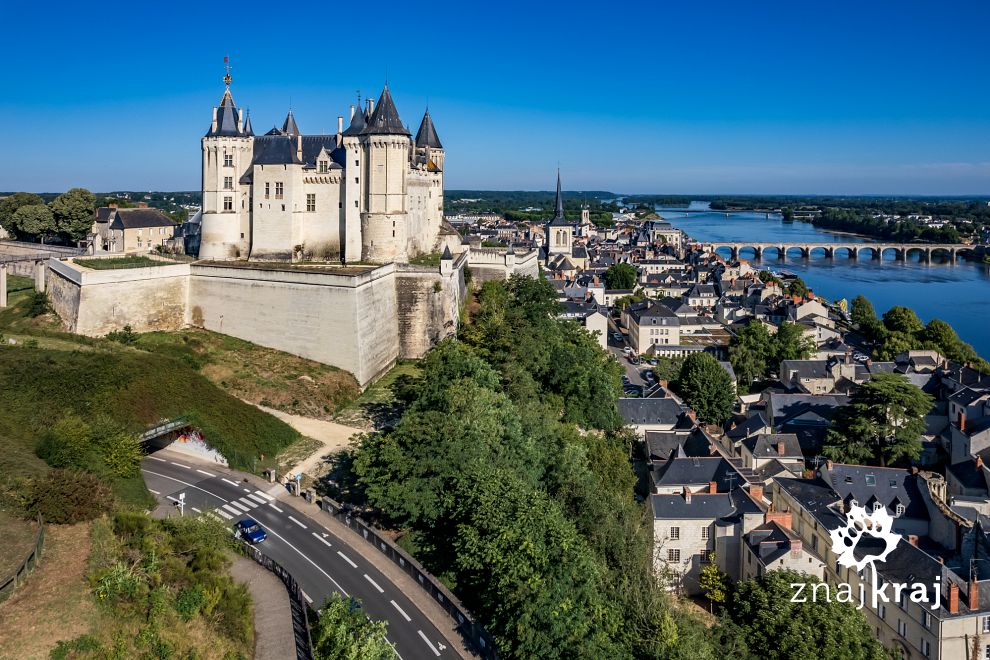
[226, 65]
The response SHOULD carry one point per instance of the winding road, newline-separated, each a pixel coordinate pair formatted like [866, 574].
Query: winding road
[321, 561]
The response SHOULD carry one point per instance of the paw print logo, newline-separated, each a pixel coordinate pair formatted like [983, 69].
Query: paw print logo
[879, 525]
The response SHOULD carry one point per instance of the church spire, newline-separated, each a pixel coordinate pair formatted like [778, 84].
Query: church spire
[558, 211]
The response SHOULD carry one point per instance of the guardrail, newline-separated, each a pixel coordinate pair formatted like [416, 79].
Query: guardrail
[304, 642]
[466, 625]
[8, 586]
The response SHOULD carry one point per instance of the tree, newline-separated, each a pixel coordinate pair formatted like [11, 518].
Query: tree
[33, 220]
[9, 205]
[902, 319]
[344, 632]
[707, 388]
[714, 583]
[73, 213]
[749, 352]
[668, 369]
[797, 288]
[789, 343]
[883, 422]
[862, 312]
[621, 276]
[767, 624]
[942, 337]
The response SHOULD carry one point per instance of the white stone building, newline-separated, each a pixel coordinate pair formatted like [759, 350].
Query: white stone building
[369, 192]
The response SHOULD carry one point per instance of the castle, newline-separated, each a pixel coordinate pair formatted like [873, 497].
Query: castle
[368, 193]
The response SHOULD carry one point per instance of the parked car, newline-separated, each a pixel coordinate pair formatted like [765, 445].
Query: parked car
[249, 530]
[653, 363]
[627, 350]
[617, 336]
[647, 374]
[633, 359]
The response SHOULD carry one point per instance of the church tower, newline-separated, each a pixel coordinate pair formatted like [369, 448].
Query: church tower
[227, 153]
[387, 147]
[560, 233]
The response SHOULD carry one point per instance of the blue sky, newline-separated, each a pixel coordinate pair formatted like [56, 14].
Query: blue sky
[673, 97]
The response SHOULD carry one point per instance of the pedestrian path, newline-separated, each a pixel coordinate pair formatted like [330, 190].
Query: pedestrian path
[274, 635]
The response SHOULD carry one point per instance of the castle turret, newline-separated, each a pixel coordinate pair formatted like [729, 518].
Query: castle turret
[387, 146]
[352, 194]
[428, 144]
[227, 154]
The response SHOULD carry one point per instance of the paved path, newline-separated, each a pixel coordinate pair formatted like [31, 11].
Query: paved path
[274, 638]
[323, 555]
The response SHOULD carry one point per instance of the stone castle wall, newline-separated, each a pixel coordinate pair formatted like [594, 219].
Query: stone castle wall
[428, 306]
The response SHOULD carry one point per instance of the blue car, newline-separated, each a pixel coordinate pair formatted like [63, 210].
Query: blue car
[250, 530]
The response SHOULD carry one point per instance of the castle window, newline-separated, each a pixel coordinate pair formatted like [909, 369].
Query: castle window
[228, 160]
[228, 183]
[279, 189]
[228, 203]
[355, 179]
[324, 167]
[355, 203]
[673, 554]
[340, 205]
[310, 202]
[268, 189]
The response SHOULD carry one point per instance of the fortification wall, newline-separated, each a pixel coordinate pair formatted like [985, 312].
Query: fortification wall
[347, 319]
[95, 302]
[496, 264]
[428, 306]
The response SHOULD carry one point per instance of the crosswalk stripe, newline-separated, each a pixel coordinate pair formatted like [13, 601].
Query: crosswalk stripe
[297, 522]
[234, 511]
[275, 507]
[265, 495]
[240, 507]
[224, 514]
[257, 499]
[246, 502]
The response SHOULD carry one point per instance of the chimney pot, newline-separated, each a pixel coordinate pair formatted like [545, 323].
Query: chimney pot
[756, 492]
[974, 594]
[780, 447]
[953, 598]
[687, 495]
[340, 124]
[352, 111]
[913, 539]
[828, 464]
[979, 461]
[962, 420]
[712, 487]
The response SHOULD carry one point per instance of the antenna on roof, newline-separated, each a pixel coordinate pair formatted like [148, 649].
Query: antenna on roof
[731, 479]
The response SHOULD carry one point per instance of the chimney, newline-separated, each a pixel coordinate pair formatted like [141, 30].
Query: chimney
[214, 119]
[712, 487]
[974, 594]
[913, 539]
[962, 419]
[371, 106]
[828, 464]
[979, 461]
[780, 447]
[796, 545]
[299, 147]
[352, 111]
[756, 492]
[953, 598]
[687, 495]
[782, 518]
[340, 124]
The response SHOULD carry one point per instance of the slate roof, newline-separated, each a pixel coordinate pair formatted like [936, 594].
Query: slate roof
[289, 126]
[753, 424]
[698, 471]
[140, 219]
[676, 507]
[226, 118]
[764, 445]
[811, 408]
[274, 149]
[649, 411]
[384, 119]
[868, 484]
[770, 541]
[650, 312]
[661, 444]
[427, 136]
[357, 125]
[968, 474]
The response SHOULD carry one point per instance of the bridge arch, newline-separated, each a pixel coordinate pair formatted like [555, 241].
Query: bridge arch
[793, 251]
[820, 251]
[886, 250]
[847, 251]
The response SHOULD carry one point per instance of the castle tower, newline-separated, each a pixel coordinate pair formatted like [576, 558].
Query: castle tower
[430, 156]
[227, 154]
[352, 194]
[560, 233]
[387, 145]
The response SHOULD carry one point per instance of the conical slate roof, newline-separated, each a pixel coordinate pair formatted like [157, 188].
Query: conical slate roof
[358, 122]
[385, 118]
[226, 117]
[426, 136]
[558, 214]
[289, 127]
[247, 125]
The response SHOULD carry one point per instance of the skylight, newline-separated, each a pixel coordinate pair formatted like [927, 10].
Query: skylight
[871, 480]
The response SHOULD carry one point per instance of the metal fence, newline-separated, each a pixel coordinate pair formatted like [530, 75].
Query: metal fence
[466, 625]
[304, 639]
[8, 586]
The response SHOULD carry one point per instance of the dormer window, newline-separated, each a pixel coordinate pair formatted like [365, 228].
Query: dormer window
[877, 506]
[324, 167]
[899, 510]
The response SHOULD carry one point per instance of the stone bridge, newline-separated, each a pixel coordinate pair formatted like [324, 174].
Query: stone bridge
[849, 250]
[29, 259]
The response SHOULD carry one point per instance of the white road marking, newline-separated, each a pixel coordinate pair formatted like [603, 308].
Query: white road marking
[240, 507]
[209, 474]
[322, 540]
[234, 511]
[257, 499]
[297, 522]
[265, 495]
[246, 502]
[185, 483]
[347, 559]
[228, 481]
[306, 596]
[216, 517]
[174, 499]
[154, 491]
[224, 514]
[246, 490]
[428, 642]
[275, 507]
[180, 465]
[373, 583]
[155, 458]
[195, 509]
[401, 611]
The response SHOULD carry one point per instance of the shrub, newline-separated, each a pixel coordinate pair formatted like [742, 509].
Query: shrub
[119, 583]
[125, 336]
[68, 496]
[67, 444]
[69, 648]
[38, 304]
[189, 601]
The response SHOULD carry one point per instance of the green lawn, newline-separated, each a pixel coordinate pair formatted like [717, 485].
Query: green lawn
[112, 263]
[431, 259]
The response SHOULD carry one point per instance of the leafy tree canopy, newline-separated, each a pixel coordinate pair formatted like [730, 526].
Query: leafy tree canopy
[73, 213]
[344, 632]
[621, 276]
[33, 220]
[707, 388]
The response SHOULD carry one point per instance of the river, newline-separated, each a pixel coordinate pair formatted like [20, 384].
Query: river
[956, 293]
